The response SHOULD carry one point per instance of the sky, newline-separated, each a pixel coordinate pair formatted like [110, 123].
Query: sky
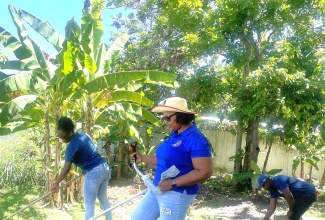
[56, 12]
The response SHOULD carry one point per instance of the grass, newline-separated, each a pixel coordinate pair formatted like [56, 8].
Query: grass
[15, 199]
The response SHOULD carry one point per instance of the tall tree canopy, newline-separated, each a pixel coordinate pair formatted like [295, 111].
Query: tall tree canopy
[249, 61]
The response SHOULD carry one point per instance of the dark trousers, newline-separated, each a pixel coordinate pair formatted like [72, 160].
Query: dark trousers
[301, 206]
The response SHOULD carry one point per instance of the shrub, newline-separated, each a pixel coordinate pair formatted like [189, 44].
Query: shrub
[219, 182]
[20, 162]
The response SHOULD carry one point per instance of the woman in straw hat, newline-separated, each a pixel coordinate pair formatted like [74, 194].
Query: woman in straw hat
[187, 149]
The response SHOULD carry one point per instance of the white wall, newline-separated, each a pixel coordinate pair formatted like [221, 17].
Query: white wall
[224, 145]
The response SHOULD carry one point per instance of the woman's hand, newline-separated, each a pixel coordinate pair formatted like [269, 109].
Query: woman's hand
[136, 157]
[165, 185]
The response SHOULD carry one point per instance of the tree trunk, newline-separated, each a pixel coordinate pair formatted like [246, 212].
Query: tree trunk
[119, 158]
[322, 181]
[310, 173]
[48, 155]
[126, 158]
[107, 149]
[267, 155]
[57, 200]
[294, 175]
[302, 171]
[238, 161]
[83, 113]
[251, 148]
[89, 116]
[250, 126]
[239, 139]
[248, 146]
[255, 147]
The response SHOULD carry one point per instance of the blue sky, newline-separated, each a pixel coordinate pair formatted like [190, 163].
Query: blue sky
[56, 12]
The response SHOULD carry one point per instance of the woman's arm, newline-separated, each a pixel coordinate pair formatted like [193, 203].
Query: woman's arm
[150, 159]
[202, 170]
[65, 170]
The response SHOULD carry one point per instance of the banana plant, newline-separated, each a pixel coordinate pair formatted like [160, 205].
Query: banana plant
[101, 88]
[76, 82]
[97, 88]
[33, 96]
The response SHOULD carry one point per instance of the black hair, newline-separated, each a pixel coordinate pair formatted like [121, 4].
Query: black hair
[65, 124]
[184, 118]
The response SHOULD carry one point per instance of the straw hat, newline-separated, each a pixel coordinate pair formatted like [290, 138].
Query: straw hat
[174, 104]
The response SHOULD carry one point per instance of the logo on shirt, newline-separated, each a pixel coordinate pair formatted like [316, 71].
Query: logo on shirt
[177, 144]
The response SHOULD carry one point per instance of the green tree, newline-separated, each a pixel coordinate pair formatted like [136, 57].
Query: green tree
[269, 53]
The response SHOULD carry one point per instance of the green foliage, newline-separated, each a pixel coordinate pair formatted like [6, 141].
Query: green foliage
[238, 156]
[242, 178]
[20, 161]
[220, 182]
[254, 167]
[240, 60]
[3, 57]
[80, 72]
[243, 187]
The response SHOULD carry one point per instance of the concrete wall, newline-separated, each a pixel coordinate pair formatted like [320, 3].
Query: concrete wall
[224, 145]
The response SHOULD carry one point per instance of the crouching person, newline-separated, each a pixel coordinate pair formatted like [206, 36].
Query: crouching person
[298, 194]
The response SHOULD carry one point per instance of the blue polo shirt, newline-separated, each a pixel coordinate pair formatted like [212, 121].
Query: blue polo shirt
[297, 187]
[82, 152]
[178, 150]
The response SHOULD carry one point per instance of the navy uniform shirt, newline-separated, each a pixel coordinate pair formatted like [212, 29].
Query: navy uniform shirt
[82, 152]
[297, 187]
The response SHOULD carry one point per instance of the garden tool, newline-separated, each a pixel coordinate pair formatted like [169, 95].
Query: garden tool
[119, 204]
[146, 179]
[171, 172]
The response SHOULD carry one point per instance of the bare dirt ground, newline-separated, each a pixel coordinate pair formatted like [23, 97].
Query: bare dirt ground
[208, 205]
[224, 204]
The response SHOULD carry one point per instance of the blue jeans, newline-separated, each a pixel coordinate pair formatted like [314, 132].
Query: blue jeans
[170, 205]
[95, 185]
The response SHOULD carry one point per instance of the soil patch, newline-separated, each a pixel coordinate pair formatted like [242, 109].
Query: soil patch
[208, 204]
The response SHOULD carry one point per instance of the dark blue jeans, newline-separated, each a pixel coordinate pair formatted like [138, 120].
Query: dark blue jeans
[301, 206]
